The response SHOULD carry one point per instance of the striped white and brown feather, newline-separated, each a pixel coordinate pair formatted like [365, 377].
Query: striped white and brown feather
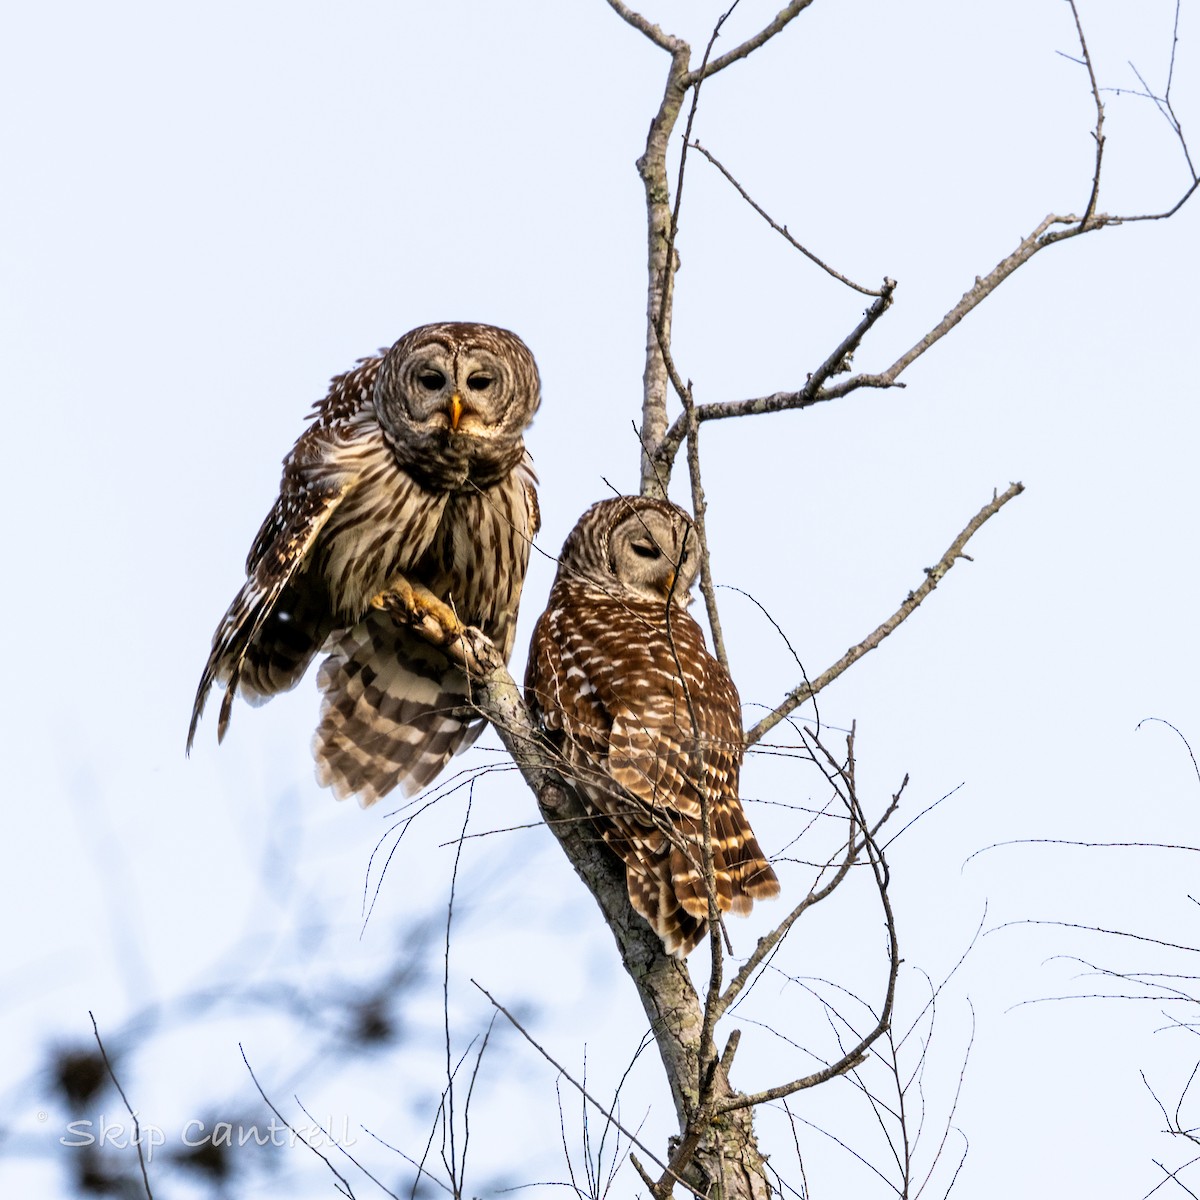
[394, 709]
[414, 469]
[647, 720]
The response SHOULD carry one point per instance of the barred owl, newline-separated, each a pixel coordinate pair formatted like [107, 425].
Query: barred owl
[647, 720]
[412, 486]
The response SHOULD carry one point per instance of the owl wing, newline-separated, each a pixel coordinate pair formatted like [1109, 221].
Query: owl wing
[569, 684]
[582, 669]
[676, 739]
[314, 483]
[393, 711]
[646, 718]
[675, 716]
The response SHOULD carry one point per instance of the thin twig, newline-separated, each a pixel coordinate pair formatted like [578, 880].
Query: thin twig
[673, 231]
[782, 230]
[1098, 133]
[933, 576]
[1179, 734]
[654, 420]
[767, 944]
[334, 1142]
[608, 1115]
[698, 766]
[813, 391]
[412, 1162]
[345, 1189]
[699, 511]
[853, 1057]
[786, 641]
[453, 1167]
[660, 267]
[783, 18]
[1163, 104]
[137, 1131]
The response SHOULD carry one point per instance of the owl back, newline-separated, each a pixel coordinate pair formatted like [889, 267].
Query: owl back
[648, 724]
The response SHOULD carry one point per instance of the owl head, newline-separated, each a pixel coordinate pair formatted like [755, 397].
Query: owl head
[453, 400]
[635, 545]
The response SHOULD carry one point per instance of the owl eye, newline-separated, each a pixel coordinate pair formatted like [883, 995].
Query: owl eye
[479, 382]
[432, 381]
[645, 550]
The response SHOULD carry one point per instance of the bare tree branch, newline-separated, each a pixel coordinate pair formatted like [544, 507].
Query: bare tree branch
[660, 265]
[699, 512]
[661, 222]
[855, 845]
[1052, 229]
[1098, 133]
[1044, 235]
[660, 329]
[782, 230]
[642, 25]
[344, 1187]
[875, 857]
[136, 1136]
[933, 576]
[608, 1115]
[811, 393]
[782, 19]
[684, 1028]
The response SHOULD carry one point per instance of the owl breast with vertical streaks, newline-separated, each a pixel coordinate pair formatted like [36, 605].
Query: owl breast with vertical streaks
[411, 480]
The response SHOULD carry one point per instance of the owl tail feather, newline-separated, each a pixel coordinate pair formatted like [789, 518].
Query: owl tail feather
[665, 875]
[392, 712]
[653, 897]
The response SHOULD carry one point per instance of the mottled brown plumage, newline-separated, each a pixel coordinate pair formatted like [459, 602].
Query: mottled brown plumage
[412, 480]
[647, 720]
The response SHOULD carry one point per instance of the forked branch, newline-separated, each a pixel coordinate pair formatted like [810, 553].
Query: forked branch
[684, 1028]
[661, 260]
[813, 391]
[1052, 229]
[861, 840]
[782, 19]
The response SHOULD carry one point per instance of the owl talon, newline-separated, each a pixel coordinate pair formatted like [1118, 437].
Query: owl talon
[353, 519]
[417, 605]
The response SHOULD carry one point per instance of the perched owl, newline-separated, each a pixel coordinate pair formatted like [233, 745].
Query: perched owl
[412, 486]
[645, 717]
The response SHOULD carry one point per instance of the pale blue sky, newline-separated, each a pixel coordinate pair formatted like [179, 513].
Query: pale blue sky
[212, 209]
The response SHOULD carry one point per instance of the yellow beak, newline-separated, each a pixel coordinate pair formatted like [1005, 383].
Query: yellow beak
[456, 410]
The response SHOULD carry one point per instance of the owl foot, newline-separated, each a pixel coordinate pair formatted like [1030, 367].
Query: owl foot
[416, 605]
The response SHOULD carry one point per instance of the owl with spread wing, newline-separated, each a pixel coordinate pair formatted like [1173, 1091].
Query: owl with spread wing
[410, 494]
